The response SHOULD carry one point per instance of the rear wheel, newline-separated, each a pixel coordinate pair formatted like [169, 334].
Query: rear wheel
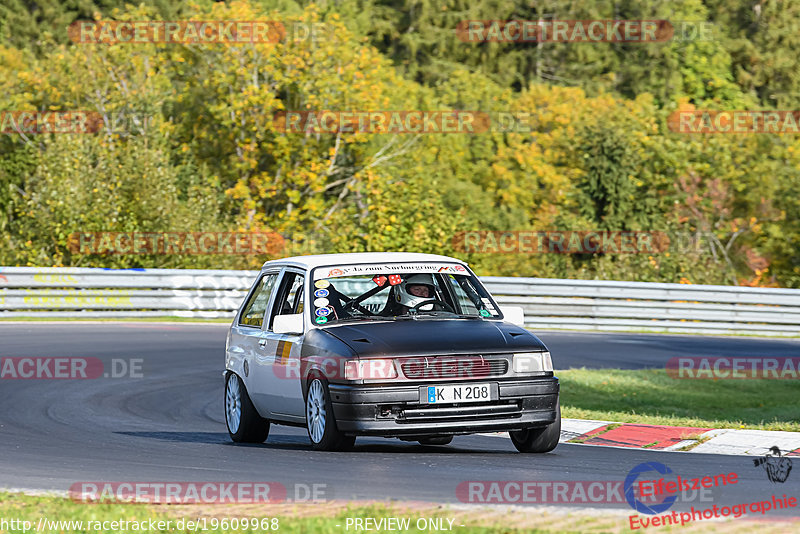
[244, 423]
[436, 440]
[320, 421]
[538, 440]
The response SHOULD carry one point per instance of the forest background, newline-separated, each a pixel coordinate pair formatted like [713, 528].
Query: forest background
[598, 154]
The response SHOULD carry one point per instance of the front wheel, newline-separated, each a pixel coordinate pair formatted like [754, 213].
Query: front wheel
[244, 423]
[538, 440]
[320, 421]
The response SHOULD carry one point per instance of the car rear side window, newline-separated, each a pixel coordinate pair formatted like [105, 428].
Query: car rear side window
[256, 307]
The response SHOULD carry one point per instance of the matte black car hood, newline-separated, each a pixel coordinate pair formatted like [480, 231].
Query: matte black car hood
[431, 336]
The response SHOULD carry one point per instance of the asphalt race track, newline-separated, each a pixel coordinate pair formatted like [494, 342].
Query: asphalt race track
[168, 425]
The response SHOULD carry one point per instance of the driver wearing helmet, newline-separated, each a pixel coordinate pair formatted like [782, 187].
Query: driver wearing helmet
[411, 292]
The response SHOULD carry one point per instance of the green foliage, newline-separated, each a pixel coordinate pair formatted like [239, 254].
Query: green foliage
[590, 150]
[651, 396]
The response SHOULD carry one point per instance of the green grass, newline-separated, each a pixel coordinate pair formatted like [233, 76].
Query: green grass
[308, 518]
[651, 396]
[331, 518]
[670, 333]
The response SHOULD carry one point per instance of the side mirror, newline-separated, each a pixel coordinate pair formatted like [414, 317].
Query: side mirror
[288, 324]
[513, 314]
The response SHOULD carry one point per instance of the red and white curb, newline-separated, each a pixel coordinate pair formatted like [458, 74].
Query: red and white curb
[677, 438]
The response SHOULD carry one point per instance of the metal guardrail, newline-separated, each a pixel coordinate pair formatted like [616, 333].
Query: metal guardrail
[548, 303]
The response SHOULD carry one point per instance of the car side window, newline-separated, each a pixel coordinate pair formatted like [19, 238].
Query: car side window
[290, 299]
[465, 303]
[256, 307]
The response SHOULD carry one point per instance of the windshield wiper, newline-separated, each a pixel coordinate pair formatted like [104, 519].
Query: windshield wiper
[363, 318]
[439, 314]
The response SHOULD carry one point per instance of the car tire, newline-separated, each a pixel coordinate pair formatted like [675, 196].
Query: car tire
[244, 423]
[320, 420]
[436, 440]
[540, 439]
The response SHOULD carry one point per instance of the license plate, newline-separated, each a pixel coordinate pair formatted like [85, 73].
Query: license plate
[460, 393]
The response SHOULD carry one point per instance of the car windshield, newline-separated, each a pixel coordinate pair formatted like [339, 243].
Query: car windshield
[398, 291]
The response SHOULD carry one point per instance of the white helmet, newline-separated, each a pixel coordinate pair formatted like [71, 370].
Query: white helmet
[416, 283]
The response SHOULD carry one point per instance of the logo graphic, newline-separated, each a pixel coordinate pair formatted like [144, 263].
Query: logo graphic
[630, 482]
[777, 467]
[321, 293]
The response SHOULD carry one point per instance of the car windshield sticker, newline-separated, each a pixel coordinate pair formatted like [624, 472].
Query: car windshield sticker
[321, 320]
[386, 268]
[321, 284]
[321, 293]
[323, 312]
[488, 305]
[320, 303]
[394, 279]
[379, 279]
[485, 313]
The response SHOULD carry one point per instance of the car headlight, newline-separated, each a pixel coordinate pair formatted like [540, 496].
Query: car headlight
[532, 362]
[369, 369]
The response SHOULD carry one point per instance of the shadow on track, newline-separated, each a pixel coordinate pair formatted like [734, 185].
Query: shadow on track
[300, 442]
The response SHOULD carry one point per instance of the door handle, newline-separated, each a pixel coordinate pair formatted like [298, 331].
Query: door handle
[262, 343]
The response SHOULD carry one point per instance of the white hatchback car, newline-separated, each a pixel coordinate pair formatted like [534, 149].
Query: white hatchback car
[385, 344]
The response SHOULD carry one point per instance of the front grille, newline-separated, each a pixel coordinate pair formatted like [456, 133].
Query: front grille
[443, 414]
[453, 367]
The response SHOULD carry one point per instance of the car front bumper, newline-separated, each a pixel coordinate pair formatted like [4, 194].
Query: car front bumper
[395, 410]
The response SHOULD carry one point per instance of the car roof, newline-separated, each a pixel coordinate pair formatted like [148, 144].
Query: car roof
[317, 260]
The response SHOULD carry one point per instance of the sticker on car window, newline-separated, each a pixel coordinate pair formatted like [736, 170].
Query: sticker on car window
[321, 284]
[323, 312]
[321, 320]
[385, 269]
[320, 303]
[321, 292]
